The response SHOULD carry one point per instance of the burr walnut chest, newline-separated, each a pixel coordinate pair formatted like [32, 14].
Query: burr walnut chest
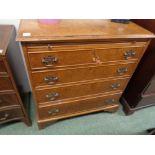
[12, 106]
[80, 66]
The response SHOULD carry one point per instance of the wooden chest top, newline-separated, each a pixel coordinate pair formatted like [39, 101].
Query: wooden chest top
[34, 30]
[5, 35]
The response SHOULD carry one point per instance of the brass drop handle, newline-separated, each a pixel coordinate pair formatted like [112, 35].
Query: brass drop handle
[115, 86]
[52, 96]
[51, 79]
[129, 54]
[110, 101]
[53, 111]
[49, 47]
[49, 61]
[122, 71]
[5, 117]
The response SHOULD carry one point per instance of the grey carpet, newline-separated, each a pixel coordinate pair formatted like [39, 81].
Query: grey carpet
[93, 124]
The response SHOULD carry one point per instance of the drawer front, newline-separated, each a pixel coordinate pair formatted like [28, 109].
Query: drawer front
[116, 54]
[7, 100]
[5, 83]
[10, 114]
[44, 59]
[77, 90]
[45, 78]
[76, 106]
[2, 67]
[61, 58]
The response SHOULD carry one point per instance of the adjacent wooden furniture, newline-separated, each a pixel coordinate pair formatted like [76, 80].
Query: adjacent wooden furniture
[80, 66]
[11, 104]
[140, 92]
[151, 131]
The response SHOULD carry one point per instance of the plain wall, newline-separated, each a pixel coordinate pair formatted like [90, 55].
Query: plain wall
[18, 58]
[14, 22]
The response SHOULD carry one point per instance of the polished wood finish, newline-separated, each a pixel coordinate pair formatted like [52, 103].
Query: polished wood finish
[7, 100]
[5, 83]
[80, 29]
[57, 93]
[90, 55]
[70, 46]
[140, 92]
[6, 34]
[11, 114]
[94, 103]
[2, 68]
[68, 75]
[78, 67]
[11, 105]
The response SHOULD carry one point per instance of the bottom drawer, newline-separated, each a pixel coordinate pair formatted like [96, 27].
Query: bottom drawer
[10, 114]
[75, 106]
[80, 89]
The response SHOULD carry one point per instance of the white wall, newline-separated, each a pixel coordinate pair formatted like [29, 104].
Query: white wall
[14, 22]
[21, 70]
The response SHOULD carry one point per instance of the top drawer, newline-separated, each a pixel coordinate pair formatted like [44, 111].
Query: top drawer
[2, 67]
[41, 57]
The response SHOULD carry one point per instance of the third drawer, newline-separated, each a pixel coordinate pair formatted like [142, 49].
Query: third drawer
[80, 89]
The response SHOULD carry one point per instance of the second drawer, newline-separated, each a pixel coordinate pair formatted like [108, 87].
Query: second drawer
[52, 77]
[80, 89]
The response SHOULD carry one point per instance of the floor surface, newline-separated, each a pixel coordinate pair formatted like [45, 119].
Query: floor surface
[93, 124]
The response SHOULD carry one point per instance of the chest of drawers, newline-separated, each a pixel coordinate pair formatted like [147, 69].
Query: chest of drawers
[11, 104]
[80, 66]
